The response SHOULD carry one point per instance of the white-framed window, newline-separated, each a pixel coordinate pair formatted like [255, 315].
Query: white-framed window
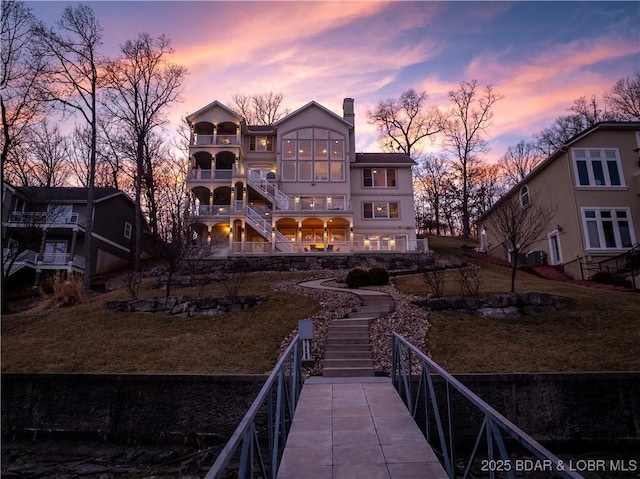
[379, 177]
[261, 143]
[525, 199]
[127, 229]
[380, 210]
[608, 228]
[597, 167]
[313, 154]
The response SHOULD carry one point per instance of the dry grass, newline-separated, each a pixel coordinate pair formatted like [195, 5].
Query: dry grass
[90, 338]
[599, 332]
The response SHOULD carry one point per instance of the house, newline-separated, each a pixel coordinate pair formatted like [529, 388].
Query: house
[296, 186]
[593, 185]
[44, 229]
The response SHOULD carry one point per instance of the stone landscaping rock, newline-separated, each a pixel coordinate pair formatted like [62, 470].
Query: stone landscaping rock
[507, 312]
[501, 300]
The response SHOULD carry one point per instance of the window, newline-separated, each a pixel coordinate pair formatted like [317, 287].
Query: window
[127, 230]
[313, 154]
[379, 177]
[524, 196]
[380, 209]
[261, 143]
[608, 228]
[597, 167]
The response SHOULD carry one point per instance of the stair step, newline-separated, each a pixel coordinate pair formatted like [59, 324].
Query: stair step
[348, 363]
[347, 347]
[347, 354]
[349, 322]
[347, 372]
[364, 315]
[338, 335]
[348, 341]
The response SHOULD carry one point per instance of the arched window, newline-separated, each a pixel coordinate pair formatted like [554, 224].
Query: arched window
[525, 200]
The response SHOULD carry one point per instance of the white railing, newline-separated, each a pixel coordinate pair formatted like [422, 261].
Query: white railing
[60, 259]
[46, 218]
[207, 140]
[269, 190]
[209, 210]
[258, 222]
[284, 244]
[200, 174]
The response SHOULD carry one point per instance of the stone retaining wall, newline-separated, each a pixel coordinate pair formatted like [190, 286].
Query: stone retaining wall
[157, 408]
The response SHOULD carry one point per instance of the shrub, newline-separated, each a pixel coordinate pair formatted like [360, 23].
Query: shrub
[357, 278]
[378, 277]
[67, 291]
[469, 279]
[435, 278]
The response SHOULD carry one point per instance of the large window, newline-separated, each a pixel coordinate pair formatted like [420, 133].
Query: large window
[608, 228]
[313, 154]
[380, 210]
[597, 167]
[379, 177]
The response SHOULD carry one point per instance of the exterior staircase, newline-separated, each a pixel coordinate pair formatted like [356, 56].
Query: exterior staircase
[347, 350]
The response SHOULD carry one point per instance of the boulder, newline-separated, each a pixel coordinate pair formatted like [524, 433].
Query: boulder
[507, 312]
[501, 300]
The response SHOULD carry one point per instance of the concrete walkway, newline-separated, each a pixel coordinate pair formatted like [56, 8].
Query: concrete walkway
[351, 428]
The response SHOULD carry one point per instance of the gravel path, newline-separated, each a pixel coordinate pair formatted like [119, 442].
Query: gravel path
[407, 319]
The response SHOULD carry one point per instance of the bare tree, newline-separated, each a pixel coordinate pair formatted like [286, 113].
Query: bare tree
[518, 227]
[72, 81]
[518, 161]
[21, 102]
[259, 109]
[49, 155]
[430, 178]
[404, 123]
[469, 120]
[623, 99]
[142, 83]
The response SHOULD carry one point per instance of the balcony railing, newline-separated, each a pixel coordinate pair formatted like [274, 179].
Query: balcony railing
[209, 140]
[200, 174]
[40, 218]
[209, 210]
[60, 260]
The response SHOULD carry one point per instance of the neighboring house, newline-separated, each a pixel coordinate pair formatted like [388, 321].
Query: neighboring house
[295, 187]
[45, 229]
[593, 183]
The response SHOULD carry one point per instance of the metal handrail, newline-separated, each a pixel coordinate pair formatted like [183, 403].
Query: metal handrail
[286, 378]
[494, 425]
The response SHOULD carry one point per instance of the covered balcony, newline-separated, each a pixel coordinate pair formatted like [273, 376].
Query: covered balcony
[204, 202]
[205, 166]
[208, 134]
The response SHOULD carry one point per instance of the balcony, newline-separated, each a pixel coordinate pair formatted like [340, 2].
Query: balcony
[208, 210]
[199, 174]
[44, 218]
[60, 261]
[215, 140]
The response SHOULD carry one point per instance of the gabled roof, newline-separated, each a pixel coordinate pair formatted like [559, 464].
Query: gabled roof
[608, 125]
[210, 106]
[311, 104]
[383, 159]
[68, 194]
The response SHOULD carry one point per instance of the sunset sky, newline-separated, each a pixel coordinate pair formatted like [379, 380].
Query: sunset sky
[539, 55]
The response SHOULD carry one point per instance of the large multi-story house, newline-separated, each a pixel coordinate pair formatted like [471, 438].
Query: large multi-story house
[592, 183]
[44, 229]
[296, 186]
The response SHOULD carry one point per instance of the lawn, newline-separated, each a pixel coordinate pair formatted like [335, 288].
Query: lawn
[90, 338]
[599, 332]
